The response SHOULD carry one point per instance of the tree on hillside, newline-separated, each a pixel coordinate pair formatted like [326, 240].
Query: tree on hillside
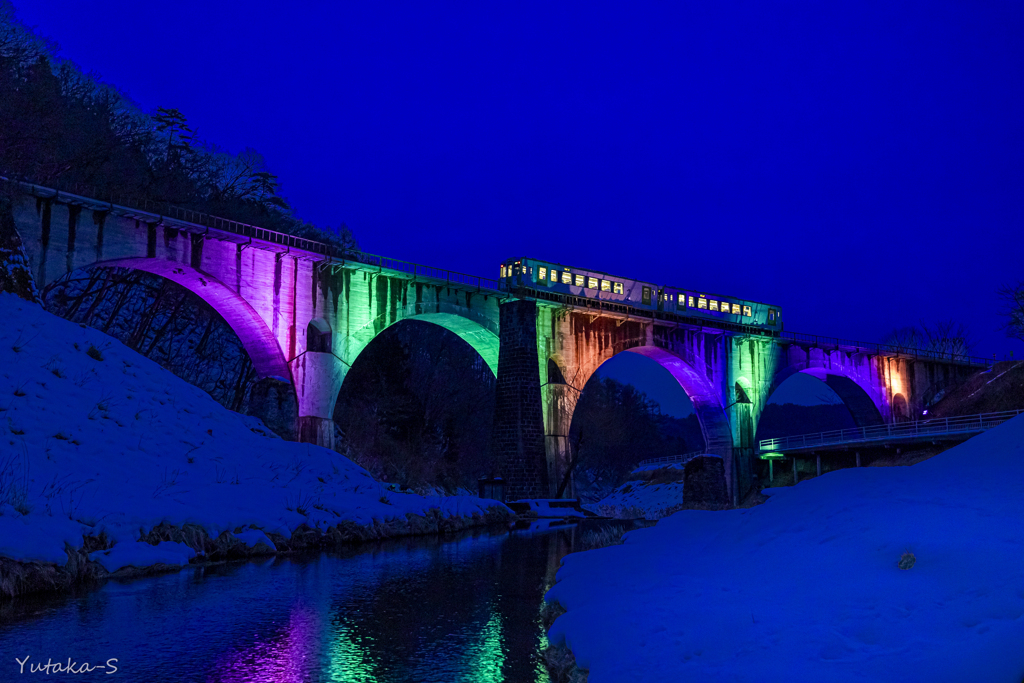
[615, 426]
[62, 127]
[946, 337]
[1012, 299]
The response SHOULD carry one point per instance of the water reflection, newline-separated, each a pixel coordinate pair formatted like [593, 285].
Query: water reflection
[424, 610]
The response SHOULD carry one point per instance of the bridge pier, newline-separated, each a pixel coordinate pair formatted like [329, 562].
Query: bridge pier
[795, 475]
[318, 378]
[518, 433]
[858, 458]
[819, 465]
[559, 402]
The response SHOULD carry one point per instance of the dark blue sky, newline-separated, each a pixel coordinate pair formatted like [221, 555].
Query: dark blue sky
[862, 166]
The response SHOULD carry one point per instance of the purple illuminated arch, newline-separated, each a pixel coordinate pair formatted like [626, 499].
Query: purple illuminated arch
[706, 403]
[259, 343]
[866, 404]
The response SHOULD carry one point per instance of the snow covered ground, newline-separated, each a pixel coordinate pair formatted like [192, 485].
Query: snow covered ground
[806, 587]
[96, 438]
[639, 499]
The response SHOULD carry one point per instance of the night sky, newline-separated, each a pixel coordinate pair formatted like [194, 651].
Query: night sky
[860, 166]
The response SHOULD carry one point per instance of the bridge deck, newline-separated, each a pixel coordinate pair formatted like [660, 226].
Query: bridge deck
[922, 430]
[325, 255]
[626, 312]
[330, 256]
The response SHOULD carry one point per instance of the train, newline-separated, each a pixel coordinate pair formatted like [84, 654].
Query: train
[547, 276]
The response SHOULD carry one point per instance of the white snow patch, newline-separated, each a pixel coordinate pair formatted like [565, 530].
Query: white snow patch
[253, 537]
[120, 445]
[639, 499]
[127, 554]
[806, 586]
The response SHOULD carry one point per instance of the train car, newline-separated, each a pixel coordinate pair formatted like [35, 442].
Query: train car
[546, 276]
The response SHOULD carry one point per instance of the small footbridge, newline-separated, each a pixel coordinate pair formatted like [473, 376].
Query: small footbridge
[671, 460]
[917, 431]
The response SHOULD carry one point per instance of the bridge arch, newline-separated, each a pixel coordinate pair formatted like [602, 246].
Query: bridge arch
[242, 318]
[561, 400]
[419, 416]
[867, 405]
[467, 324]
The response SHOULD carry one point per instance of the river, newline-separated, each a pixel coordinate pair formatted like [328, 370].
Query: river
[460, 608]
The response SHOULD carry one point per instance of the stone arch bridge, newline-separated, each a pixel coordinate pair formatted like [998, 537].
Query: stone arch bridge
[304, 312]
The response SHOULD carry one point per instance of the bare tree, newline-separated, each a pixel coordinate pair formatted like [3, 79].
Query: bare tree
[1012, 299]
[904, 338]
[948, 337]
[945, 337]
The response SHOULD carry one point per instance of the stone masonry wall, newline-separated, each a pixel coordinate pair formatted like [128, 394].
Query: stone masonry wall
[518, 434]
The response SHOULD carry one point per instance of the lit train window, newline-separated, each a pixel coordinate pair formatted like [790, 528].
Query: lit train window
[554, 275]
[771, 317]
[542, 273]
[503, 270]
[682, 299]
[579, 280]
[530, 273]
[617, 287]
[606, 285]
[702, 303]
[735, 309]
[646, 296]
[689, 301]
[746, 311]
[566, 278]
[591, 283]
[714, 305]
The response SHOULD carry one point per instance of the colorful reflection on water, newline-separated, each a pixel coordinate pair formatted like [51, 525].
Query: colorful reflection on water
[410, 611]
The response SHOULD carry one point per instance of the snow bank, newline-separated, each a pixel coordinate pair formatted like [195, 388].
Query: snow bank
[96, 438]
[143, 555]
[642, 499]
[806, 586]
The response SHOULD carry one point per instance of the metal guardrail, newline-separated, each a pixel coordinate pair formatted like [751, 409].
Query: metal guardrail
[886, 349]
[902, 430]
[670, 459]
[160, 212]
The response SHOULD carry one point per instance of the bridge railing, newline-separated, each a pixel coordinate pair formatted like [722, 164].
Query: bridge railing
[885, 349]
[161, 210]
[900, 430]
[671, 459]
[419, 270]
[813, 339]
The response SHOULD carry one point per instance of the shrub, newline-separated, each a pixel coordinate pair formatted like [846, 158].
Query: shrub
[94, 352]
[907, 560]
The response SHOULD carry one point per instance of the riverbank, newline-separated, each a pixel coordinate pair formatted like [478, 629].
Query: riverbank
[112, 466]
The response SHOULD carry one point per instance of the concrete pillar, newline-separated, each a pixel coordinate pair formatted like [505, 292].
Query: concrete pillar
[771, 471]
[819, 465]
[858, 458]
[316, 430]
[559, 402]
[795, 475]
[318, 379]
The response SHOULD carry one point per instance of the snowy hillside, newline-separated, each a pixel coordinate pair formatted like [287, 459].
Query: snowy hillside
[807, 587]
[95, 438]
